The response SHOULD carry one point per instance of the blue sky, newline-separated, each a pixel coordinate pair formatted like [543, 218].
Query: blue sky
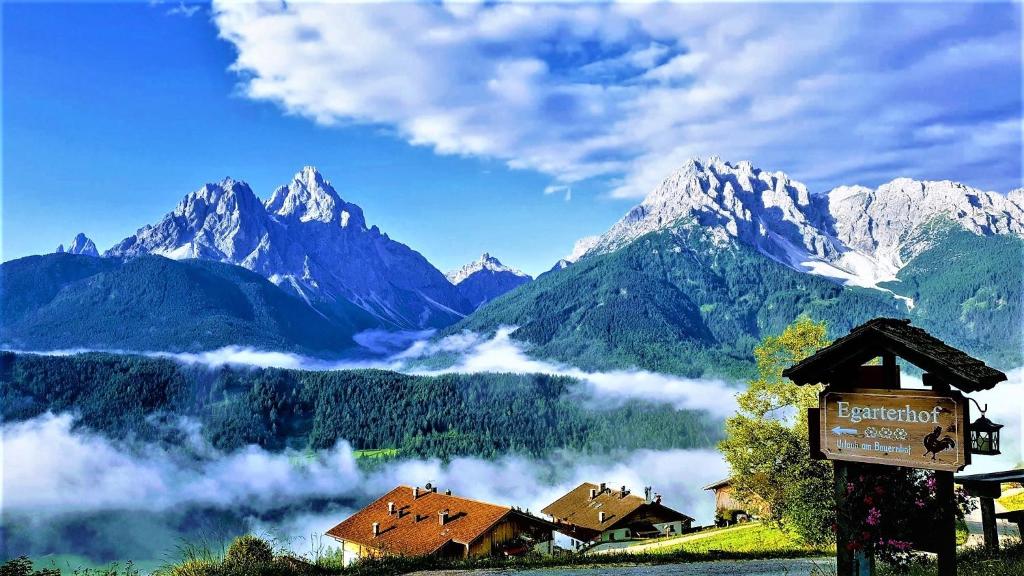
[448, 123]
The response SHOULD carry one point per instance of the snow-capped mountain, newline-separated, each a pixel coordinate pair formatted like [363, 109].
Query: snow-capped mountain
[310, 241]
[485, 279]
[854, 234]
[80, 245]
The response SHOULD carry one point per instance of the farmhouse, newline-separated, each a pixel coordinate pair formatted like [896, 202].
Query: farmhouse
[592, 513]
[414, 521]
[728, 508]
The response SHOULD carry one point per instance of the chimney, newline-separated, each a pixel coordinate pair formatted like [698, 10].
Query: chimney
[647, 494]
[622, 492]
[433, 489]
[442, 517]
[448, 492]
[593, 493]
[415, 492]
[600, 517]
[657, 498]
[376, 529]
[603, 487]
[391, 508]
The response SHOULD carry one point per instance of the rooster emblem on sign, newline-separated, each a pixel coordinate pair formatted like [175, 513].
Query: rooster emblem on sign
[935, 445]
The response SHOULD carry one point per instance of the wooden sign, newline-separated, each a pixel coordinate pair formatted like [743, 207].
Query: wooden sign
[912, 428]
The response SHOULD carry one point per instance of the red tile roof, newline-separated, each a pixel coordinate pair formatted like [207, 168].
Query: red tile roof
[578, 509]
[414, 529]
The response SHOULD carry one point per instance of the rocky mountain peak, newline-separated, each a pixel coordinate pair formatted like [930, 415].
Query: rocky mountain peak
[485, 279]
[486, 262]
[854, 234]
[81, 244]
[764, 209]
[309, 197]
[309, 241]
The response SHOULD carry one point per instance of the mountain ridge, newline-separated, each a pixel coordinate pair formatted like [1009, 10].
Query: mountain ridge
[854, 234]
[308, 240]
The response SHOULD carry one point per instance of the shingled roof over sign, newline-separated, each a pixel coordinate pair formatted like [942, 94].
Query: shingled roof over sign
[898, 337]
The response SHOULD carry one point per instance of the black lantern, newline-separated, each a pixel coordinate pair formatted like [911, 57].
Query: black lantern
[984, 435]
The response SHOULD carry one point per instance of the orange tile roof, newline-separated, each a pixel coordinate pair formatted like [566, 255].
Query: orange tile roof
[415, 529]
[578, 509]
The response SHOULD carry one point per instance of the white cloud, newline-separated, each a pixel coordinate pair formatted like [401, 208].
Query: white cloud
[600, 389]
[830, 93]
[566, 191]
[182, 9]
[473, 353]
[49, 471]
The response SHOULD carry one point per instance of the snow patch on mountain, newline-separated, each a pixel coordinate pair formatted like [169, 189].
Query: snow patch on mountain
[853, 234]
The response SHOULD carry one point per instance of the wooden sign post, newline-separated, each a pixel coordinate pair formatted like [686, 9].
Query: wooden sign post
[910, 428]
[864, 419]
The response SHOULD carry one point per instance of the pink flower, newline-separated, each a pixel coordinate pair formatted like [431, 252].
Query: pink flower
[874, 516]
[919, 503]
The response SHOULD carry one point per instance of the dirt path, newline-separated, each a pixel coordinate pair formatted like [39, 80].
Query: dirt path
[781, 567]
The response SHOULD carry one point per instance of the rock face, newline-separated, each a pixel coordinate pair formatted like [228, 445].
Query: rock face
[581, 247]
[307, 240]
[853, 234]
[485, 279]
[80, 245]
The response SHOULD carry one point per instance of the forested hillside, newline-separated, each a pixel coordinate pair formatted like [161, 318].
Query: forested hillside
[674, 300]
[443, 416]
[969, 290]
[153, 303]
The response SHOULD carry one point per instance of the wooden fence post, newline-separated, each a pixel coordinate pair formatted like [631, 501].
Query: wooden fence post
[988, 523]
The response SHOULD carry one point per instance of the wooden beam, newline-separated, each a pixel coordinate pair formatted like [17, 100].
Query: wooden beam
[983, 489]
[892, 371]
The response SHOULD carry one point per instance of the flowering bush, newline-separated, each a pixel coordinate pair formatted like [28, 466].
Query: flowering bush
[891, 510]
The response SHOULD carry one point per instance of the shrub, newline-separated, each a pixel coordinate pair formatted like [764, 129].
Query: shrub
[249, 551]
[193, 567]
[22, 566]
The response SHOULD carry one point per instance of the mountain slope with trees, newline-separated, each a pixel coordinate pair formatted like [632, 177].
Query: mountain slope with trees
[678, 300]
[125, 396]
[64, 301]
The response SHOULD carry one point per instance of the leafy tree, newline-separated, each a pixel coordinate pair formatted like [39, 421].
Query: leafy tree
[766, 442]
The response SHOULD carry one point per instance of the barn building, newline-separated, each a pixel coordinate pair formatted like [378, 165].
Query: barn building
[596, 513]
[414, 521]
[729, 509]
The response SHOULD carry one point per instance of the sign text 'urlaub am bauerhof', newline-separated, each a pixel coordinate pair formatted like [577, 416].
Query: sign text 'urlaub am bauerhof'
[913, 428]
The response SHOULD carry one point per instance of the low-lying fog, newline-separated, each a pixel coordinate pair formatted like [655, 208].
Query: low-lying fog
[70, 491]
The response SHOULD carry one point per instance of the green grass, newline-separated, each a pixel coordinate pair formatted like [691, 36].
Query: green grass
[754, 538]
[385, 453]
[1014, 502]
[972, 562]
